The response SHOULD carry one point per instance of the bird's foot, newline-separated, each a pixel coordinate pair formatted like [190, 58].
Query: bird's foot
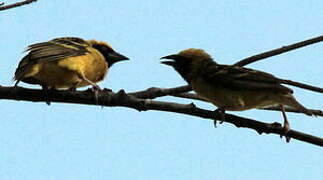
[96, 89]
[46, 94]
[286, 126]
[222, 115]
[286, 129]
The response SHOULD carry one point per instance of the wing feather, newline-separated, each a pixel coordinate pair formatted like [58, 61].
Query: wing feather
[53, 50]
[236, 77]
[57, 49]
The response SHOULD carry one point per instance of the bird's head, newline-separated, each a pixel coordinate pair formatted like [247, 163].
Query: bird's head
[188, 62]
[106, 50]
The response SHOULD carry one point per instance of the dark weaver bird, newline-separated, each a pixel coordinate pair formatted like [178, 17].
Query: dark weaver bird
[67, 63]
[232, 88]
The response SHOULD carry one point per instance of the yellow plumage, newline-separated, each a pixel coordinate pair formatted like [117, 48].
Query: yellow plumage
[68, 62]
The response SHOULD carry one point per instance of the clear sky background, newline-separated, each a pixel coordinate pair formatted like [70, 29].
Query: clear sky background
[68, 141]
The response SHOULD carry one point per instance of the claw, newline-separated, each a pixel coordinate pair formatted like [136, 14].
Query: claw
[214, 123]
[45, 91]
[96, 89]
[286, 126]
[222, 116]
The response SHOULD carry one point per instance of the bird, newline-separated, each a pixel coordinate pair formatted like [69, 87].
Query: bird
[231, 87]
[67, 63]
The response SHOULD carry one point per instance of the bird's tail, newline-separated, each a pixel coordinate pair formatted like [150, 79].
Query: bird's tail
[22, 69]
[289, 100]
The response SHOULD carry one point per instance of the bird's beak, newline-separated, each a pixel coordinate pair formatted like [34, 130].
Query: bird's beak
[117, 56]
[169, 63]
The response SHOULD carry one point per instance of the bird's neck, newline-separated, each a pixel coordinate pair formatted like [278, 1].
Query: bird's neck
[197, 70]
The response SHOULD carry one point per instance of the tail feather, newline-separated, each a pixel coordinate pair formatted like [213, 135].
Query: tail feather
[292, 102]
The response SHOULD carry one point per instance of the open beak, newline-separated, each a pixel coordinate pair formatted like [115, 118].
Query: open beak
[117, 56]
[169, 63]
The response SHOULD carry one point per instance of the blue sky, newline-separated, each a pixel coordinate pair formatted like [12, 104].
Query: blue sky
[68, 141]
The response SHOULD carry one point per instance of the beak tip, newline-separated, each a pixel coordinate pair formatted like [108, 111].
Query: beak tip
[169, 57]
[168, 63]
[118, 57]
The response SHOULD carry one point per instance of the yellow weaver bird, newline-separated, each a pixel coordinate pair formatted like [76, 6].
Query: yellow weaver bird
[67, 63]
[232, 88]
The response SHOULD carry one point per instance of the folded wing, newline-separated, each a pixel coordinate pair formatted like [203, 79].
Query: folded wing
[236, 77]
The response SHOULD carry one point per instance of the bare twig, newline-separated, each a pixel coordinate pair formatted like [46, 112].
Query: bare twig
[180, 91]
[187, 95]
[121, 99]
[275, 108]
[303, 86]
[316, 112]
[2, 8]
[154, 92]
[277, 51]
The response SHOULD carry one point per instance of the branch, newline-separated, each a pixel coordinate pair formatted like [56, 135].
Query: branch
[154, 92]
[278, 51]
[181, 91]
[2, 8]
[121, 99]
[301, 85]
[193, 96]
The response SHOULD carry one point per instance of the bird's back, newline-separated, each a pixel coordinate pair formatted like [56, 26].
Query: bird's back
[59, 63]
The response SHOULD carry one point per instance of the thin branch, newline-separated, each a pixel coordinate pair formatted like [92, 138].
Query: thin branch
[121, 99]
[181, 92]
[301, 85]
[154, 92]
[274, 108]
[2, 8]
[187, 95]
[278, 51]
[316, 112]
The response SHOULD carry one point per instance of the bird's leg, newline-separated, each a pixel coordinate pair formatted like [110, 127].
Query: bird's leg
[16, 88]
[286, 126]
[95, 88]
[221, 112]
[90, 82]
[45, 91]
[16, 84]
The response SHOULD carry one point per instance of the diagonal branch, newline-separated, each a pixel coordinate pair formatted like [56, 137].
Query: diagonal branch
[121, 99]
[2, 8]
[181, 91]
[278, 51]
[154, 92]
[301, 85]
[274, 108]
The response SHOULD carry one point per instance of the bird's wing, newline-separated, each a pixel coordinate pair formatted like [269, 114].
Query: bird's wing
[236, 77]
[53, 50]
[57, 49]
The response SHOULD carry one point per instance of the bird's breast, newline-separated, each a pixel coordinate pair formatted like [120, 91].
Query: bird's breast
[97, 69]
[67, 72]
